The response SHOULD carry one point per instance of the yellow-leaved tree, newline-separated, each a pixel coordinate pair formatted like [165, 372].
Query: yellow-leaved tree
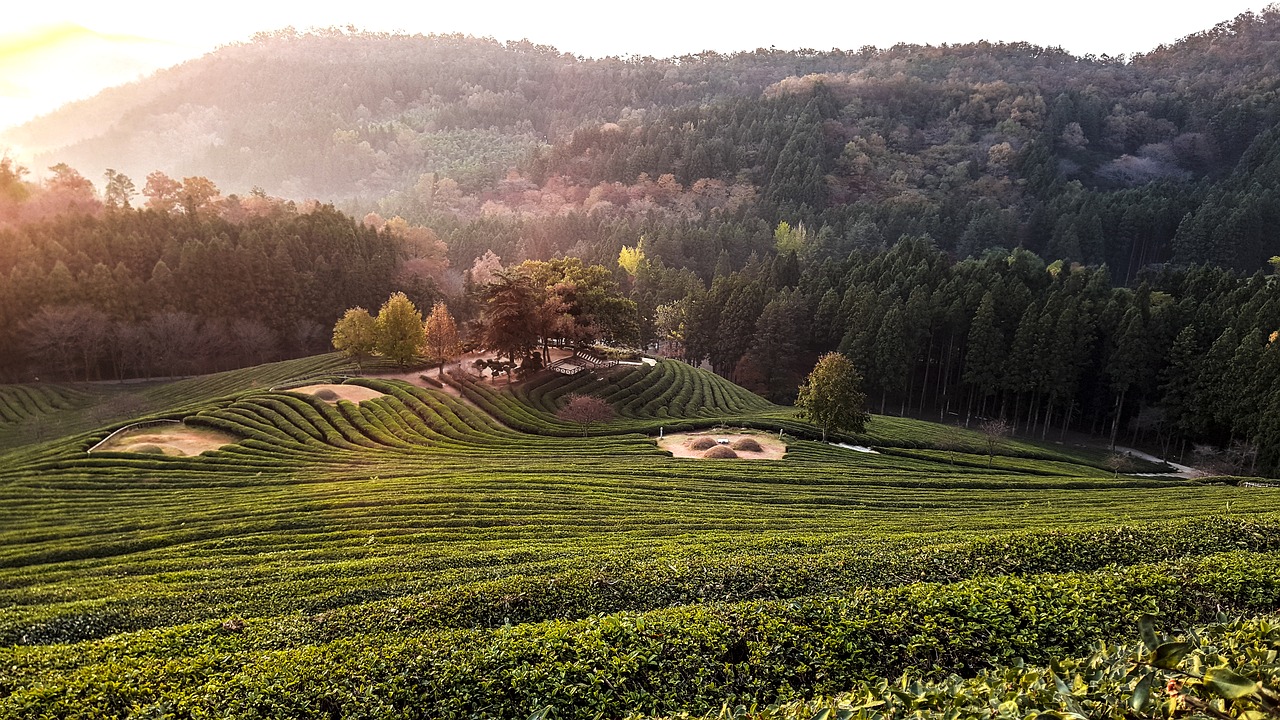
[355, 336]
[399, 329]
[631, 258]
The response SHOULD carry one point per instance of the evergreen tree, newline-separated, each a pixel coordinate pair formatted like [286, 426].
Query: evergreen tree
[509, 314]
[892, 362]
[985, 356]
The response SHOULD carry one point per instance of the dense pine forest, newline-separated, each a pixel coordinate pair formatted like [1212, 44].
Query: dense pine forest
[1072, 244]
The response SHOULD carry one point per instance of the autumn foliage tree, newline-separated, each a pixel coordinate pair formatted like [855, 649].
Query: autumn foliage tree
[832, 396]
[399, 330]
[441, 333]
[355, 335]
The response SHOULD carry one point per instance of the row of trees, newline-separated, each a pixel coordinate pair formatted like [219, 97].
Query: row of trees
[522, 310]
[398, 333]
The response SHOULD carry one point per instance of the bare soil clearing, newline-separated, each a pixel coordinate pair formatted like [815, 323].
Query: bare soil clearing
[177, 440]
[681, 444]
[353, 393]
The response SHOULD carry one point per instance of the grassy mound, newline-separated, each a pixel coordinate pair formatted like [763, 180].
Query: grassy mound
[747, 445]
[720, 452]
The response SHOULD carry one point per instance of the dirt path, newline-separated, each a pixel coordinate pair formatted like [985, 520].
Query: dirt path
[1182, 471]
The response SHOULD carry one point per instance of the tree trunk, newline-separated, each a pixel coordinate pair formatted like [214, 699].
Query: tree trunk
[1115, 421]
[943, 394]
[1066, 420]
[1048, 417]
[924, 386]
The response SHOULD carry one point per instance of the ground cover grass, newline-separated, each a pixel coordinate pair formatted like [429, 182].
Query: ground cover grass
[423, 555]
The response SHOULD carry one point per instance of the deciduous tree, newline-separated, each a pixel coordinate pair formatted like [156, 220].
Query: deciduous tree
[832, 396]
[355, 335]
[441, 333]
[585, 411]
[399, 330]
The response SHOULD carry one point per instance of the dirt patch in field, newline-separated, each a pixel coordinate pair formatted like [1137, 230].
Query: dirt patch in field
[333, 393]
[177, 440]
[693, 445]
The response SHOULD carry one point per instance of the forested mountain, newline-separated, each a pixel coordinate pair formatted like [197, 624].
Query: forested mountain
[986, 230]
[1165, 156]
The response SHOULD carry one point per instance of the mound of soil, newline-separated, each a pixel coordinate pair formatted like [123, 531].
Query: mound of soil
[176, 440]
[720, 451]
[333, 393]
[748, 444]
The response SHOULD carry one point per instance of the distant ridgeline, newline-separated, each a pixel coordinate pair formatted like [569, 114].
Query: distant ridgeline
[1165, 156]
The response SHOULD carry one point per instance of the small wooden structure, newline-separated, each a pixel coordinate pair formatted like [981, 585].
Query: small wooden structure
[582, 359]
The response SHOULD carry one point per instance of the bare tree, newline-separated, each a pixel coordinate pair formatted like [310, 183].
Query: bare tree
[956, 439]
[64, 338]
[993, 432]
[173, 340]
[255, 341]
[585, 410]
[1119, 463]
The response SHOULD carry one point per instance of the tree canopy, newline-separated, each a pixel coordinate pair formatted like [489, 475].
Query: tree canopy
[832, 398]
[399, 330]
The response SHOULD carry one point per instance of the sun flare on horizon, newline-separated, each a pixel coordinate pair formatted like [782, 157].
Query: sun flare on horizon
[44, 67]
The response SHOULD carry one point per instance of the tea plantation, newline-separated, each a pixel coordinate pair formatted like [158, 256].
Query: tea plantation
[459, 552]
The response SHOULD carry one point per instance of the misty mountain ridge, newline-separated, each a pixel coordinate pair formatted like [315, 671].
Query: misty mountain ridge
[980, 140]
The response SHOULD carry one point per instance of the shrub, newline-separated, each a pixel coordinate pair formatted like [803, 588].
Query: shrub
[149, 449]
[326, 394]
[748, 444]
[702, 442]
[720, 451]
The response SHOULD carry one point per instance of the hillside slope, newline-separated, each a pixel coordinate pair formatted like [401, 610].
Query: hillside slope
[414, 550]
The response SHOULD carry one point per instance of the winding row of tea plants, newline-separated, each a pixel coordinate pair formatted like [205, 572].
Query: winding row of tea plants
[424, 555]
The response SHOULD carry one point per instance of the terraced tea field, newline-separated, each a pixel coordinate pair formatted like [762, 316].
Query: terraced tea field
[425, 553]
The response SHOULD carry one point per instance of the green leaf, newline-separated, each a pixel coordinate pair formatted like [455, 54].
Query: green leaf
[1229, 684]
[822, 714]
[1141, 693]
[1147, 627]
[1168, 655]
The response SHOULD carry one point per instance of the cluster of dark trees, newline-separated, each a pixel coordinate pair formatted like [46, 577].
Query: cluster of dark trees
[1188, 356]
[143, 293]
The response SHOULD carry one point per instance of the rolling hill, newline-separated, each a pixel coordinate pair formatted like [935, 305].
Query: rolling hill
[459, 552]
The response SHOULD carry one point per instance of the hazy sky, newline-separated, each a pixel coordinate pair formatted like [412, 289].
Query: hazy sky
[56, 51]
